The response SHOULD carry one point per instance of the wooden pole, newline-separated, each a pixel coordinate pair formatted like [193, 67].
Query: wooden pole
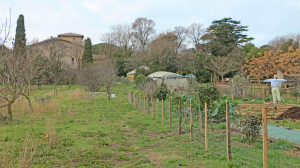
[265, 138]
[179, 116]
[144, 104]
[298, 99]
[231, 94]
[162, 112]
[129, 96]
[200, 116]
[157, 102]
[134, 103]
[170, 113]
[228, 132]
[205, 128]
[191, 120]
[152, 106]
[289, 98]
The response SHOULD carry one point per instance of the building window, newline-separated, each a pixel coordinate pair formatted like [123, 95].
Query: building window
[72, 60]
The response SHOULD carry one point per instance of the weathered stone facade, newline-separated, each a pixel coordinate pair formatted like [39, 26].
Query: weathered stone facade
[67, 49]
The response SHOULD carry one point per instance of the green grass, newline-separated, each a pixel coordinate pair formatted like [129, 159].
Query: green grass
[89, 131]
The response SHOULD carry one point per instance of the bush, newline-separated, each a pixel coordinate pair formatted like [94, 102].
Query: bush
[208, 93]
[161, 92]
[140, 79]
[250, 127]
[296, 92]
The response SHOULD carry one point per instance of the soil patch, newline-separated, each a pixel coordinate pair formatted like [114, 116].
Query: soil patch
[293, 113]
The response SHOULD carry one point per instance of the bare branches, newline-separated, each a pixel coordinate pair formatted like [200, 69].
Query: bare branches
[195, 32]
[143, 31]
[5, 30]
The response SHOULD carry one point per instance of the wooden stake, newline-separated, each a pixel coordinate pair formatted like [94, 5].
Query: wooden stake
[152, 105]
[191, 120]
[200, 116]
[228, 132]
[170, 113]
[179, 116]
[144, 104]
[231, 94]
[157, 102]
[205, 128]
[265, 138]
[134, 100]
[298, 99]
[129, 96]
[162, 112]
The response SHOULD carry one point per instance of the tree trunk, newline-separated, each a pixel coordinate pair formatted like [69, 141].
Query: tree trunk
[29, 103]
[9, 111]
[108, 92]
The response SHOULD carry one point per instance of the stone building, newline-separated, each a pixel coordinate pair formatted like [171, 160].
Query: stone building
[66, 49]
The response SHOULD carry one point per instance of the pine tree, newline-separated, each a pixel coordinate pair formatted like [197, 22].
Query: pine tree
[20, 39]
[87, 56]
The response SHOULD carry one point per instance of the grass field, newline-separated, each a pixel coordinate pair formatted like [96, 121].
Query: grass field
[80, 129]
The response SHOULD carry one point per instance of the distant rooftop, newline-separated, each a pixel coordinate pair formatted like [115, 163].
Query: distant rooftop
[70, 35]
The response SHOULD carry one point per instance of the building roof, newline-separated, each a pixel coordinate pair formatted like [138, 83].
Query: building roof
[56, 39]
[70, 35]
[164, 74]
[134, 71]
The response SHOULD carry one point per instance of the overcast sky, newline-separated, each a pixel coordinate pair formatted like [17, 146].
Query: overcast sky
[44, 18]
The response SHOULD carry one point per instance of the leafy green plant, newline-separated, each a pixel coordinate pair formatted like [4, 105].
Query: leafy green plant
[161, 92]
[140, 79]
[250, 128]
[281, 144]
[296, 92]
[208, 93]
[219, 110]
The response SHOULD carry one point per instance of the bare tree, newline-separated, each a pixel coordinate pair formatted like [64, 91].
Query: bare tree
[109, 39]
[90, 76]
[14, 70]
[222, 64]
[108, 75]
[14, 76]
[123, 37]
[181, 34]
[143, 31]
[195, 32]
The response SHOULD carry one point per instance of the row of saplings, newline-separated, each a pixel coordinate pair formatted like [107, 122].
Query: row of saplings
[248, 126]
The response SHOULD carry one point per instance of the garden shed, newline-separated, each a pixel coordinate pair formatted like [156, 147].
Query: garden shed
[131, 74]
[173, 81]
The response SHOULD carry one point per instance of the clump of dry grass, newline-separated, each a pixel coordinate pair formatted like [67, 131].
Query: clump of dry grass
[50, 133]
[27, 152]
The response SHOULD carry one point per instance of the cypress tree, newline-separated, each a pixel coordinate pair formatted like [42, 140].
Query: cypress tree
[87, 56]
[20, 39]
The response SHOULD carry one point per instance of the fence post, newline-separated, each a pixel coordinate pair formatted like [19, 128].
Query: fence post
[231, 94]
[265, 138]
[129, 96]
[157, 102]
[205, 128]
[152, 105]
[200, 116]
[179, 116]
[191, 120]
[134, 100]
[170, 113]
[144, 104]
[228, 132]
[162, 112]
